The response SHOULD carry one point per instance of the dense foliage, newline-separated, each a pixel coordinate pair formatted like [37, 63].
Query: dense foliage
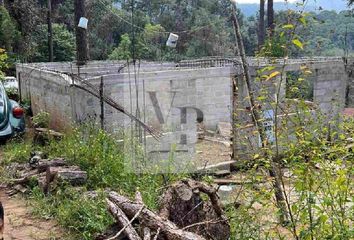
[204, 28]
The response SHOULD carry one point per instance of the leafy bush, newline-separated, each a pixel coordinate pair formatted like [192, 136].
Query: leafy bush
[41, 120]
[12, 93]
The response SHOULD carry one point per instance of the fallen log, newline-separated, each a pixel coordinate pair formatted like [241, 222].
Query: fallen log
[111, 232]
[51, 172]
[146, 232]
[43, 135]
[151, 220]
[25, 178]
[42, 165]
[75, 178]
[119, 215]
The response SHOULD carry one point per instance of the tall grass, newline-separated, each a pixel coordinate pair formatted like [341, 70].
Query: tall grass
[102, 156]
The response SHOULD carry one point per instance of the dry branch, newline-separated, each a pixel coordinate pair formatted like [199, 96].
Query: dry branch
[146, 232]
[151, 219]
[123, 219]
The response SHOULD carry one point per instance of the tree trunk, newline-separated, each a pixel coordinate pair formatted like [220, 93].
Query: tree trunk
[81, 34]
[50, 31]
[270, 13]
[261, 30]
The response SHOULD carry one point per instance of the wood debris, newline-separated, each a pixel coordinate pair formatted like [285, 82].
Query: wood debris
[183, 215]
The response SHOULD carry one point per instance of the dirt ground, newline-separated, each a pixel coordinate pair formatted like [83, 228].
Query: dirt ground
[21, 225]
[208, 153]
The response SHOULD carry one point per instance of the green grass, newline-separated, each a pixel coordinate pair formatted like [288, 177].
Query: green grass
[103, 158]
[16, 151]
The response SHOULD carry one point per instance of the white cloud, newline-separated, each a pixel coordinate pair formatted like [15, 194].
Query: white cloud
[257, 1]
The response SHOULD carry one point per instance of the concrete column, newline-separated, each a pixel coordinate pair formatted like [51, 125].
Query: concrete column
[330, 87]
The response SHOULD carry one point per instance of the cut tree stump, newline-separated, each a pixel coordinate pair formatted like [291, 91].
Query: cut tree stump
[167, 229]
[75, 178]
[183, 204]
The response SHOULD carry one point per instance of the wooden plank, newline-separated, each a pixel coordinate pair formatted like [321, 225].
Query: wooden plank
[219, 166]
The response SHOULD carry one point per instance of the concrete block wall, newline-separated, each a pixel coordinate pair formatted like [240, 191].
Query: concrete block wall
[350, 88]
[47, 91]
[164, 90]
[208, 90]
[330, 88]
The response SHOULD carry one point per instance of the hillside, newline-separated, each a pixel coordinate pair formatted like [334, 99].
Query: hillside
[250, 9]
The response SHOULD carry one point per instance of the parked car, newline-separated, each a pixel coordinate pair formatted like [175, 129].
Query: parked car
[12, 121]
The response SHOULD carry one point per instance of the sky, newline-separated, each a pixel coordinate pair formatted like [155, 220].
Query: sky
[257, 1]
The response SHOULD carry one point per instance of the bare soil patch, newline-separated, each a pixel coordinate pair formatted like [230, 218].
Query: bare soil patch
[20, 224]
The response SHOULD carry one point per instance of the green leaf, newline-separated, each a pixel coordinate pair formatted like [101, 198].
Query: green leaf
[288, 26]
[256, 156]
[298, 43]
[272, 75]
[303, 21]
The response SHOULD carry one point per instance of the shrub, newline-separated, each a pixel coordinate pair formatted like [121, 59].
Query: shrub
[41, 120]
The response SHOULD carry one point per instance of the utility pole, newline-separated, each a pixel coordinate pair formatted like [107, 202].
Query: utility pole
[81, 35]
[50, 31]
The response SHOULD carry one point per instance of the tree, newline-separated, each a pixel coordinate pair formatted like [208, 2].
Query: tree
[257, 121]
[27, 16]
[270, 14]
[8, 31]
[50, 31]
[3, 62]
[63, 43]
[81, 34]
[122, 52]
[350, 2]
[153, 43]
[261, 33]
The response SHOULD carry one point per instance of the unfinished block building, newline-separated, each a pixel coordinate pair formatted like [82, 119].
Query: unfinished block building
[172, 97]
